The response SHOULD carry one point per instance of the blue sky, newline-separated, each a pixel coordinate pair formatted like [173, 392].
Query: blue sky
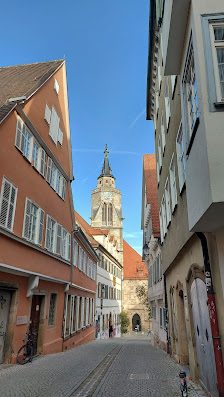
[105, 44]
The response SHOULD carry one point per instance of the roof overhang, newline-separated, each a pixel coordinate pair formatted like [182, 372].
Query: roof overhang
[173, 30]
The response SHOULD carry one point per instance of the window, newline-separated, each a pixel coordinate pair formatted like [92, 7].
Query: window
[161, 224]
[7, 204]
[43, 157]
[23, 140]
[163, 132]
[63, 188]
[159, 77]
[84, 263]
[173, 83]
[190, 92]
[167, 103]
[157, 105]
[157, 172]
[110, 216]
[52, 309]
[164, 216]
[217, 38]
[159, 153]
[154, 312]
[35, 157]
[87, 311]
[167, 198]
[162, 317]
[173, 186]
[80, 257]
[58, 182]
[60, 136]
[50, 234]
[77, 313]
[180, 157]
[33, 223]
[59, 240]
[66, 244]
[68, 315]
[47, 116]
[54, 125]
[56, 86]
[75, 253]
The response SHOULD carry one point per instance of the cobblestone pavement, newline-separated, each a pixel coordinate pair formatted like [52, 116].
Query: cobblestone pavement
[121, 367]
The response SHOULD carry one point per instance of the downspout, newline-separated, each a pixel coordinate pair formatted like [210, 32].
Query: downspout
[213, 315]
[168, 349]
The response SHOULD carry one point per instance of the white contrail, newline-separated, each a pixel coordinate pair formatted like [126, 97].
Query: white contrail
[137, 118]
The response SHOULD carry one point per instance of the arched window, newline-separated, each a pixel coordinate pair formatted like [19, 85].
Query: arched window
[109, 214]
[104, 214]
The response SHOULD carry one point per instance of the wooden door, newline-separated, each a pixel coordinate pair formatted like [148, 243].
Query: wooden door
[5, 299]
[35, 315]
[203, 336]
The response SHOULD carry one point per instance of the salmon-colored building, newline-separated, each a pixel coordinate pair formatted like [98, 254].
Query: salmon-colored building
[41, 287]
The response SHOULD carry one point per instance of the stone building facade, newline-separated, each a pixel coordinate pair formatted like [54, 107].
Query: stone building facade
[135, 276]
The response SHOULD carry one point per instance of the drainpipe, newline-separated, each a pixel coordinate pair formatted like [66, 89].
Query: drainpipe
[166, 308]
[213, 315]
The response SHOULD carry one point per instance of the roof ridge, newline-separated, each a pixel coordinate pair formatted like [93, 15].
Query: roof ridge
[32, 63]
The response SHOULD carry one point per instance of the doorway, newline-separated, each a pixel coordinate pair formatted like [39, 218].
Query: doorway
[136, 320]
[35, 319]
[203, 336]
[5, 301]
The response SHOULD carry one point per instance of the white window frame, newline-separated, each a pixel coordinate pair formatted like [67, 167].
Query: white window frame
[163, 205]
[159, 153]
[47, 116]
[54, 223]
[39, 226]
[190, 92]
[54, 126]
[167, 103]
[163, 133]
[173, 184]
[161, 225]
[75, 253]
[8, 204]
[217, 44]
[65, 244]
[180, 157]
[167, 199]
[173, 79]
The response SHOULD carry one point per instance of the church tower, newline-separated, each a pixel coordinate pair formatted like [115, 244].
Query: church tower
[106, 208]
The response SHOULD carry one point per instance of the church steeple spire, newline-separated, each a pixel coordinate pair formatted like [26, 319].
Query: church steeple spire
[106, 170]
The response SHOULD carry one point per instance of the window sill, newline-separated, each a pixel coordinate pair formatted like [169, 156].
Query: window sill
[193, 136]
[219, 104]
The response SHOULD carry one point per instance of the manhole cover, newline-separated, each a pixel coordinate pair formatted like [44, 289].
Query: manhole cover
[139, 376]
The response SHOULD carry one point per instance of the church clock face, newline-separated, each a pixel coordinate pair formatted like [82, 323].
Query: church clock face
[106, 197]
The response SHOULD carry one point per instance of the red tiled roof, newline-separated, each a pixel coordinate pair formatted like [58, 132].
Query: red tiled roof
[149, 168]
[133, 266]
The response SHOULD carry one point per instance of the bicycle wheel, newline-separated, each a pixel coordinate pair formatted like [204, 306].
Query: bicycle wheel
[25, 354]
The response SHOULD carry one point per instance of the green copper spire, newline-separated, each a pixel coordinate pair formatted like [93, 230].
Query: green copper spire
[106, 170]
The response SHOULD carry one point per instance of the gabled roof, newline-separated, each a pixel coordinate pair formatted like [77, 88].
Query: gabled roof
[133, 266]
[149, 169]
[23, 80]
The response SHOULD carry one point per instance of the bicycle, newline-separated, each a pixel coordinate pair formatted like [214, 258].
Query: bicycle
[26, 352]
[183, 384]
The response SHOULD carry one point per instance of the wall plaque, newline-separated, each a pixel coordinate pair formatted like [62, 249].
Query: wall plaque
[21, 320]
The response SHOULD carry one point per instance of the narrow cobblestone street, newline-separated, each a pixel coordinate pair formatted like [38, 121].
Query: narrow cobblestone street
[127, 366]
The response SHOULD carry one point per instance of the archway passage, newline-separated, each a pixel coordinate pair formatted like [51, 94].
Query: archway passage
[136, 320]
